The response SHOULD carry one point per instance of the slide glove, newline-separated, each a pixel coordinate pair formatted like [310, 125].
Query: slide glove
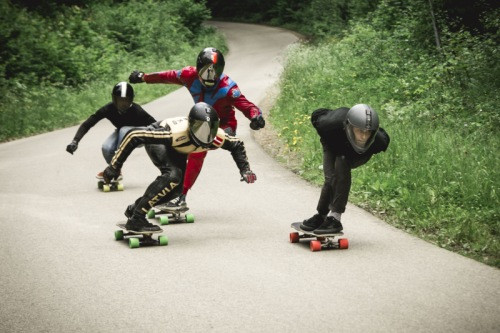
[109, 174]
[257, 122]
[136, 77]
[248, 176]
[72, 147]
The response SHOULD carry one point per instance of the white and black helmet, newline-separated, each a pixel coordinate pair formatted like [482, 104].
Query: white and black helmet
[123, 96]
[361, 126]
[203, 124]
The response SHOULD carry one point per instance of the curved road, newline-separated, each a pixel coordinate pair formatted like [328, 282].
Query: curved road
[233, 269]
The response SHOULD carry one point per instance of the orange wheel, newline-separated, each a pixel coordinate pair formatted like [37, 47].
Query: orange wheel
[294, 237]
[315, 245]
[343, 243]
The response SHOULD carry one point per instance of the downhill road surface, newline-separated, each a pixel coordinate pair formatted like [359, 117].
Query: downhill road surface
[234, 268]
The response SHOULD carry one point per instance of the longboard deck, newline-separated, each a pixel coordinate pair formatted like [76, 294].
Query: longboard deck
[318, 241]
[136, 239]
[168, 215]
[122, 225]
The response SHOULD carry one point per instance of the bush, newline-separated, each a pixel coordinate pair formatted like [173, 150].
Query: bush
[57, 69]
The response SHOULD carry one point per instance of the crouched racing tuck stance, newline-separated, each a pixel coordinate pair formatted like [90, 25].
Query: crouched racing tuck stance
[174, 139]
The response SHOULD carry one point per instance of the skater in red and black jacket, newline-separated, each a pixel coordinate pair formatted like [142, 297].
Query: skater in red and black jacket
[206, 83]
[122, 112]
[349, 137]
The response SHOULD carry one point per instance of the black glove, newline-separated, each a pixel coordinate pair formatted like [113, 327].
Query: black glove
[72, 147]
[248, 176]
[109, 174]
[136, 77]
[257, 122]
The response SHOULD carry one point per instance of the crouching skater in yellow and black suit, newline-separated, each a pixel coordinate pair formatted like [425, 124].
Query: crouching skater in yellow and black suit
[174, 139]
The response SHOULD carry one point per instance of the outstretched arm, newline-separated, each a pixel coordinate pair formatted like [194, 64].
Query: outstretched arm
[237, 149]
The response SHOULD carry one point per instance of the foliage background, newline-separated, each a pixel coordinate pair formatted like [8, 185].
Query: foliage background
[60, 59]
[440, 176]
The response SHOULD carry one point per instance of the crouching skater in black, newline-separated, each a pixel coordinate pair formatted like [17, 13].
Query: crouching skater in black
[349, 137]
[174, 139]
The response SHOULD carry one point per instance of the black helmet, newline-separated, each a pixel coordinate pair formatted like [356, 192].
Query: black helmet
[361, 126]
[123, 96]
[203, 124]
[210, 65]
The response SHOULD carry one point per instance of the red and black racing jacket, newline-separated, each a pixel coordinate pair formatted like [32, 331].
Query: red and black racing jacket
[223, 97]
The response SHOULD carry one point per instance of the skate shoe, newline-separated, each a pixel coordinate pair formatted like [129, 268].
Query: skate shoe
[139, 223]
[330, 226]
[178, 203]
[129, 211]
[100, 176]
[312, 223]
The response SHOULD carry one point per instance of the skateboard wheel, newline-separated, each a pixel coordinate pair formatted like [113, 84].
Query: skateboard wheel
[294, 237]
[189, 218]
[151, 214]
[163, 240]
[163, 220]
[133, 243]
[118, 234]
[119, 187]
[343, 243]
[315, 245]
[99, 184]
[106, 188]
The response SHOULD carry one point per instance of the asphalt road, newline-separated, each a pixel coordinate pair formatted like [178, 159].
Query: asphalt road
[234, 268]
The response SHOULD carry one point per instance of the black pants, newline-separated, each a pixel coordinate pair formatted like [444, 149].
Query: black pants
[168, 185]
[337, 184]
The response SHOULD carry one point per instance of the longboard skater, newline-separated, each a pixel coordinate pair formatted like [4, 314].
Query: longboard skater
[318, 242]
[137, 238]
[169, 214]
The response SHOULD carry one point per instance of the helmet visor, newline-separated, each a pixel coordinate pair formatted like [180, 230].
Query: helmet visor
[122, 104]
[204, 131]
[208, 75]
[360, 138]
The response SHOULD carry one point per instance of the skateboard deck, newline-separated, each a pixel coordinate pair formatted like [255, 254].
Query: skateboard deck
[112, 186]
[318, 242]
[168, 215]
[136, 238]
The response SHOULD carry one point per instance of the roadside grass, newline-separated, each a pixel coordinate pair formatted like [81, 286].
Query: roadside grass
[439, 178]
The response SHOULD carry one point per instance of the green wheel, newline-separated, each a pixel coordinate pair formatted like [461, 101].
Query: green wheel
[106, 188]
[120, 187]
[163, 220]
[118, 234]
[151, 214]
[99, 184]
[133, 243]
[189, 218]
[163, 240]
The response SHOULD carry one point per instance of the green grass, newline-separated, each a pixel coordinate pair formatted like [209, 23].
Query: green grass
[439, 178]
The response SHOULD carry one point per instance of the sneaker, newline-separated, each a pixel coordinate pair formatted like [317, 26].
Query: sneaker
[139, 223]
[330, 226]
[100, 176]
[178, 203]
[312, 223]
